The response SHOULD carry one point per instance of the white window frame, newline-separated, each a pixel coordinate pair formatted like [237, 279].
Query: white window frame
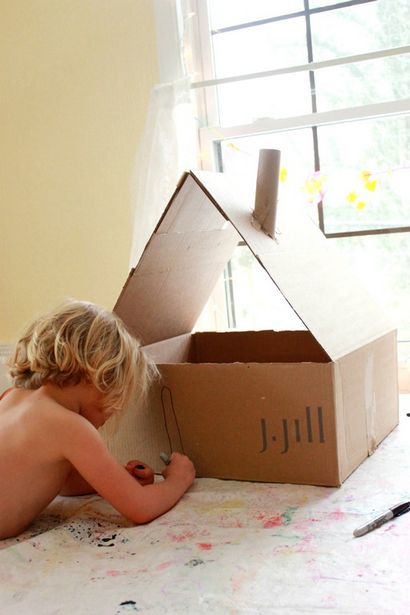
[211, 132]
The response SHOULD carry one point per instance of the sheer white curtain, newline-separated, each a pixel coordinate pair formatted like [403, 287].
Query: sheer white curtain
[168, 148]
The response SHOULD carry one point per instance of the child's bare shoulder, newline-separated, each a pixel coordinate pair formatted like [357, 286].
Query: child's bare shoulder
[68, 432]
[42, 414]
[68, 421]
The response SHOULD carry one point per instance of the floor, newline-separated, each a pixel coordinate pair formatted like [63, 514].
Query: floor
[228, 548]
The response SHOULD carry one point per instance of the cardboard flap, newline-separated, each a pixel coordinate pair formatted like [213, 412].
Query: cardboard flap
[166, 292]
[306, 268]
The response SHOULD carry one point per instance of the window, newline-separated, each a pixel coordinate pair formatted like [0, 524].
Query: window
[328, 84]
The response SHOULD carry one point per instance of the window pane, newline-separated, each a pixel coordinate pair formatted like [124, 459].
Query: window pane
[241, 156]
[274, 45]
[383, 264]
[361, 28]
[363, 83]
[280, 96]
[225, 13]
[366, 172]
[258, 302]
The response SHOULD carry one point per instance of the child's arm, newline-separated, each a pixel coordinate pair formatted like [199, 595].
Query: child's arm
[82, 445]
[77, 485]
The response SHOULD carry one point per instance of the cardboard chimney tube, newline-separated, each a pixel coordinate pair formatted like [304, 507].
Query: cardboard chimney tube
[267, 182]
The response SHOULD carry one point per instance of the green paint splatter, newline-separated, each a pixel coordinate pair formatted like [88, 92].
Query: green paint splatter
[287, 516]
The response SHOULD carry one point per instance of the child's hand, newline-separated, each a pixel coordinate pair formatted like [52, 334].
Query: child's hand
[180, 467]
[143, 473]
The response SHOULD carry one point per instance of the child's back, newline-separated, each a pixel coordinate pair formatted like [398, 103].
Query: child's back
[32, 471]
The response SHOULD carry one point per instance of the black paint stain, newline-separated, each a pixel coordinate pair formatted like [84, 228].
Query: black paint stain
[108, 539]
[131, 604]
[194, 562]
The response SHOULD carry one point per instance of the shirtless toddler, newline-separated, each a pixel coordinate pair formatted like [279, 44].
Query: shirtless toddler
[71, 371]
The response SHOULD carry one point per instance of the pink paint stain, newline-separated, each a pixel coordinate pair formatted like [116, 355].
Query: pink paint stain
[163, 566]
[337, 515]
[205, 546]
[182, 537]
[304, 544]
[272, 522]
[269, 522]
[228, 522]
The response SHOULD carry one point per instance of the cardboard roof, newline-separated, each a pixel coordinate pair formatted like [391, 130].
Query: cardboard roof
[193, 241]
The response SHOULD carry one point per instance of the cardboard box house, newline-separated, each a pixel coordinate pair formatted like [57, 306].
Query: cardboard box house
[301, 407]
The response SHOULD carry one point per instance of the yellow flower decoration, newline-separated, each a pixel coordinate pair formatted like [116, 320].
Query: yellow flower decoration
[233, 146]
[370, 185]
[365, 175]
[283, 174]
[354, 197]
[315, 187]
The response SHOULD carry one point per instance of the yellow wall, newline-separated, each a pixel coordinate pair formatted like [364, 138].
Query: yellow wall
[75, 79]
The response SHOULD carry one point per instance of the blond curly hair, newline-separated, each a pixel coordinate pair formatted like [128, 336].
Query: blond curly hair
[80, 341]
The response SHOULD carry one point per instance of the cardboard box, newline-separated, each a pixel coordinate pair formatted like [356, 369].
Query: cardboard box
[292, 406]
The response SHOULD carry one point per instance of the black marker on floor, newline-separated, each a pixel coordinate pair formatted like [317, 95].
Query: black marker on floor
[392, 513]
